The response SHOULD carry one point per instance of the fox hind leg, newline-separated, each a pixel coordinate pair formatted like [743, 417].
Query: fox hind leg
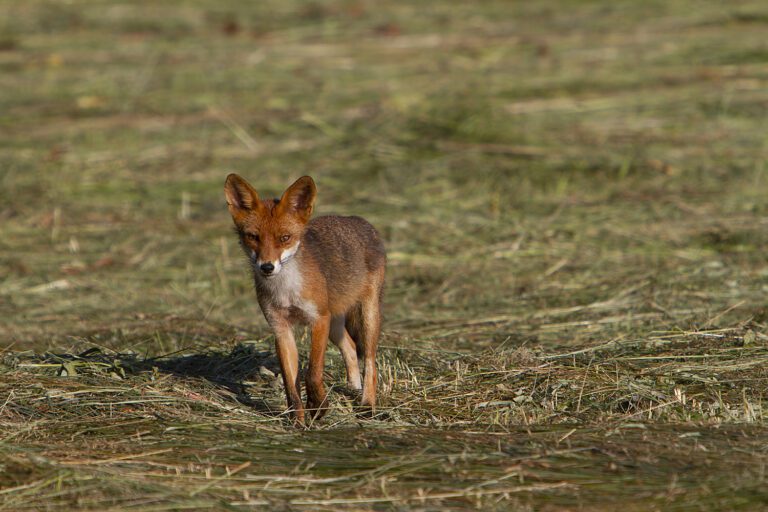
[368, 329]
[371, 329]
[342, 339]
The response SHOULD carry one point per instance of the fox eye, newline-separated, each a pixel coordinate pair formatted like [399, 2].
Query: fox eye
[285, 238]
[252, 237]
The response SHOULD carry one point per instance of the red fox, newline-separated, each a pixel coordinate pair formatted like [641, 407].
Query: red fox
[327, 272]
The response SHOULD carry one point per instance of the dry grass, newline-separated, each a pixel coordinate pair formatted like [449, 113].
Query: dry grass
[574, 201]
[499, 427]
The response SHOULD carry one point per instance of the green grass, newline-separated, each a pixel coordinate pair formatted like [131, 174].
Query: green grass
[574, 197]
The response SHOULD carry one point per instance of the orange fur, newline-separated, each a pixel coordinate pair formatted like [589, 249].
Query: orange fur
[327, 272]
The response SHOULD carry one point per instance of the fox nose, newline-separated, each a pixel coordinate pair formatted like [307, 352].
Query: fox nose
[267, 268]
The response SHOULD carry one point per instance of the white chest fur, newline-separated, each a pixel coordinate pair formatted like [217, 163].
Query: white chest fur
[284, 290]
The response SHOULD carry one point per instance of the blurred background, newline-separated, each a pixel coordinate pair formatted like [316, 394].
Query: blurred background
[544, 173]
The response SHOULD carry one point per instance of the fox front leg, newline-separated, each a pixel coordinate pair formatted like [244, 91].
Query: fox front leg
[288, 356]
[317, 404]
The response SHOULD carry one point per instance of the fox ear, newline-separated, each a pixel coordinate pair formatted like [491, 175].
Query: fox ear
[241, 196]
[300, 197]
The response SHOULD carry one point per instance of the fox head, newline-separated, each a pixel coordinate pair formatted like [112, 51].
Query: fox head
[270, 231]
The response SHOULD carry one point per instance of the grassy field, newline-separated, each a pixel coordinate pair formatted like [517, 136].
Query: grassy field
[574, 197]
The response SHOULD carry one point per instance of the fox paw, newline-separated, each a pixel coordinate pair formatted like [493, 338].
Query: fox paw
[316, 408]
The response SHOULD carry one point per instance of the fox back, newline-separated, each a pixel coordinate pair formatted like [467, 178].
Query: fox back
[346, 250]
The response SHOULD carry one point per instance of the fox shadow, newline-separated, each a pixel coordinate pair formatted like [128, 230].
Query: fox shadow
[228, 371]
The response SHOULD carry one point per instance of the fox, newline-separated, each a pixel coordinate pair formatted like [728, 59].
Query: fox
[325, 272]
